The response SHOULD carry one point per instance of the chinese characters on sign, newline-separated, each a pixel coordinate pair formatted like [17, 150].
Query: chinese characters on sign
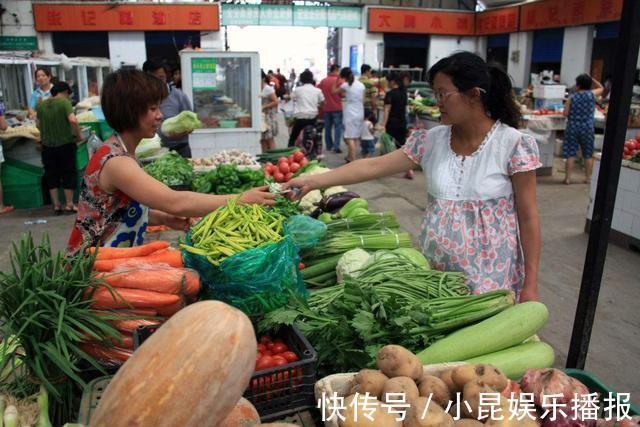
[308, 16]
[421, 21]
[203, 73]
[490, 406]
[125, 17]
[503, 20]
[552, 13]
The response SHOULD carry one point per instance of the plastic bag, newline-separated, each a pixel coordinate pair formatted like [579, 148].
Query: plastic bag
[387, 144]
[305, 231]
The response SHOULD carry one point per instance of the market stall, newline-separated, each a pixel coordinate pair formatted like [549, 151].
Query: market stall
[224, 88]
[544, 128]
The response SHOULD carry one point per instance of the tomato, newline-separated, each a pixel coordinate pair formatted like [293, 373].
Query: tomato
[290, 159]
[288, 177]
[278, 176]
[265, 362]
[265, 339]
[301, 266]
[267, 353]
[283, 159]
[279, 348]
[304, 162]
[258, 356]
[284, 168]
[298, 156]
[290, 356]
[294, 166]
[268, 164]
[270, 346]
[261, 347]
[279, 361]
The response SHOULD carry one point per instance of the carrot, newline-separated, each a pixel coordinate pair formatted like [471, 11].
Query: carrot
[192, 283]
[157, 228]
[171, 309]
[103, 299]
[106, 252]
[125, 341]
[165, 280]
[146, 312]
[131, 325]
[170, 257]
[103, 353]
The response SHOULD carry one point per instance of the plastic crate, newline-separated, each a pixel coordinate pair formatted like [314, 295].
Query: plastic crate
[91, 397]
[141, 333]
[285, 390]
[595, 385]
[23, 196]
[17, 173]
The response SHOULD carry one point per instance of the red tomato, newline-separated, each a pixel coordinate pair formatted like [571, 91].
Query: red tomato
[270, 346]
[278, 176]
[290, 159]
[304, 162]
[279, 361]
[265, 362]
[261, 347]
[267, 353]
[288, 177]
[265, 339]
[298, 156]
[268, 164]
[290, 356]
[284, 168]
[258, 356]
[283, 160]
[301, 266]
[294, 166]
[279, 348]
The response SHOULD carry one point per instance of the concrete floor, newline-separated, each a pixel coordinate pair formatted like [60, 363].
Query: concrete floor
[615, 342]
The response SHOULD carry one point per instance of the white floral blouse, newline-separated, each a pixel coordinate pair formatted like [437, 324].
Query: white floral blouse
[470, 222]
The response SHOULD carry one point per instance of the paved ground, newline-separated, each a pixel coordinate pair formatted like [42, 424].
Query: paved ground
[615, 343]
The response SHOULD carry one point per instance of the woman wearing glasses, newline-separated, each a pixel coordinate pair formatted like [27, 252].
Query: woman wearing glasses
[481, 216]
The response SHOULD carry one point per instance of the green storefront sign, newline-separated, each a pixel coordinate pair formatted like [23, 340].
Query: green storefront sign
[18, 43]
[296, 16]
[203, 73]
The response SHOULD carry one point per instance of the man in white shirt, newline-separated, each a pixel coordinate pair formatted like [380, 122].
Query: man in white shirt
[307, 100]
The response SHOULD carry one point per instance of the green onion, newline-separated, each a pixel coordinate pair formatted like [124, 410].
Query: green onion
[344, 241]
[372, 221]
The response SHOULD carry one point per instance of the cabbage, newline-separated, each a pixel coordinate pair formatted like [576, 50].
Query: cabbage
[315, 171]
[413, 256]
[334, 190]
[351, 263]
[183, 123]
[148, 147]
[310, 201]
[86, 117]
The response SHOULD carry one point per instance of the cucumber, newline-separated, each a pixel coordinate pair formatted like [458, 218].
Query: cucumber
[514, 361]
[506, 329]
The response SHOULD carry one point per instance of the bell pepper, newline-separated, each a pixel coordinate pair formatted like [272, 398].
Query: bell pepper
[351, 205]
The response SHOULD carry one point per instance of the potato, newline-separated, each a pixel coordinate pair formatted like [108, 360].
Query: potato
[434, 416]
[434, 386]
[404, 385]
[369, 381]
[489, 375]
[467, 422]
[380, 416]
[397, 361]
[446, 377]
[471, 394]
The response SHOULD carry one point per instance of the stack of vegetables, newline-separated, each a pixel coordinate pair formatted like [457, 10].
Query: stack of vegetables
[227, 157]
[143, 285]
[286, 168]
[425, 106]
[171, 169]
[228, 179]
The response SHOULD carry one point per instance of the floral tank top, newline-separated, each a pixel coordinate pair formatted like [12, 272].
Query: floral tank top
[106, 219]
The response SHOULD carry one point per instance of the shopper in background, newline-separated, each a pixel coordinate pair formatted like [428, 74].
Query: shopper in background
[353, 114]
[307, 101]
[175, 103]
[3, 126]
[59, 132]
[481, 216]
[269, 114]
[42, 92]
[332, 109]
[394, 122]
[282, 84]
[176, 78]
[292, 78]
[368, 140]
[579, 111]
[371, 92]
[118, 198]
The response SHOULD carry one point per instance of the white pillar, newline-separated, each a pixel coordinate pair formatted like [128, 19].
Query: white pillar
[443, 46]
[519, 65]
[45, 42]
[212, 40]
[127, 47]
[481, 46]
[576, 53]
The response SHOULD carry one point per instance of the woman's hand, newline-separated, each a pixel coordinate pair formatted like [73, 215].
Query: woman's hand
[177, 222]
[259, 196]
[304, 184]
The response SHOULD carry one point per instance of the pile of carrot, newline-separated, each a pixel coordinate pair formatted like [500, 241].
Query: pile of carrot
[147, 283]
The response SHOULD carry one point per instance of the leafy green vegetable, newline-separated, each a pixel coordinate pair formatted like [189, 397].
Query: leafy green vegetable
[228, 179]
[171, 169]
[183, 123]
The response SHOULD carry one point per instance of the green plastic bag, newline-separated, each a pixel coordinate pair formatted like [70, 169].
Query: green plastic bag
[387, 144]
[305, 231]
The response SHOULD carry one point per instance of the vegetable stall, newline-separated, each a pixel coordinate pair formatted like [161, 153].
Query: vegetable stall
[259, 314]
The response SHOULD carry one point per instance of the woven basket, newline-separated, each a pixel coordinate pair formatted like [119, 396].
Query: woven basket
[342, 384]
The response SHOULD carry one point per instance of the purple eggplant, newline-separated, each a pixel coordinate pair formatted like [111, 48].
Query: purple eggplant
[335, 202]
[316, 213]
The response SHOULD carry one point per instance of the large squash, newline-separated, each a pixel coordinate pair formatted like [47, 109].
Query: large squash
[191, 372]
[244, 414]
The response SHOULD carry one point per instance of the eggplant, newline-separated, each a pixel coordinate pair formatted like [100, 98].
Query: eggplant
[316, 213]
[335, 202]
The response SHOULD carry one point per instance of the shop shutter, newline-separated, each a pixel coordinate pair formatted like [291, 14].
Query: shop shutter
[406, 40]
[498, 40]
[608, 30]
[547, 45]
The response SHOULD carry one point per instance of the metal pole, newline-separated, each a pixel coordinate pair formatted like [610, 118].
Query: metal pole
[615, 134]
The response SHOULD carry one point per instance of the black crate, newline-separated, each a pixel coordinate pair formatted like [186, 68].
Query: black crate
[284, 390]
[141, 333]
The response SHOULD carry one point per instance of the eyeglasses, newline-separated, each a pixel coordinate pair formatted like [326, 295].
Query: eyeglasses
[443, 96]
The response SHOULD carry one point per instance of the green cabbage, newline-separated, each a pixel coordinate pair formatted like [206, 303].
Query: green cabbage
[351, 263]
[414, 256]
[183, 123]
[148, 147]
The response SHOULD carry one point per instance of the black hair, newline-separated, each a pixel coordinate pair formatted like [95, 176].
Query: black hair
[469, 71]
[153, 64]
[584, 82]
[347, 74]
[397, 78]
[334, 68]
[372, 117]
[270, 72]
[61, 87]
[365, 68]
[44, 70]
[306, 77]
[265, 78]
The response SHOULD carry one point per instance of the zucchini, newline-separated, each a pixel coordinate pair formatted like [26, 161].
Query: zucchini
[506, 329]
[514, 361]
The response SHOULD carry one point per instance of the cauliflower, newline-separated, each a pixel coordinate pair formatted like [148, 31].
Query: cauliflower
[334, 190]
[309, 202]
[315, 171]
[351, 262]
